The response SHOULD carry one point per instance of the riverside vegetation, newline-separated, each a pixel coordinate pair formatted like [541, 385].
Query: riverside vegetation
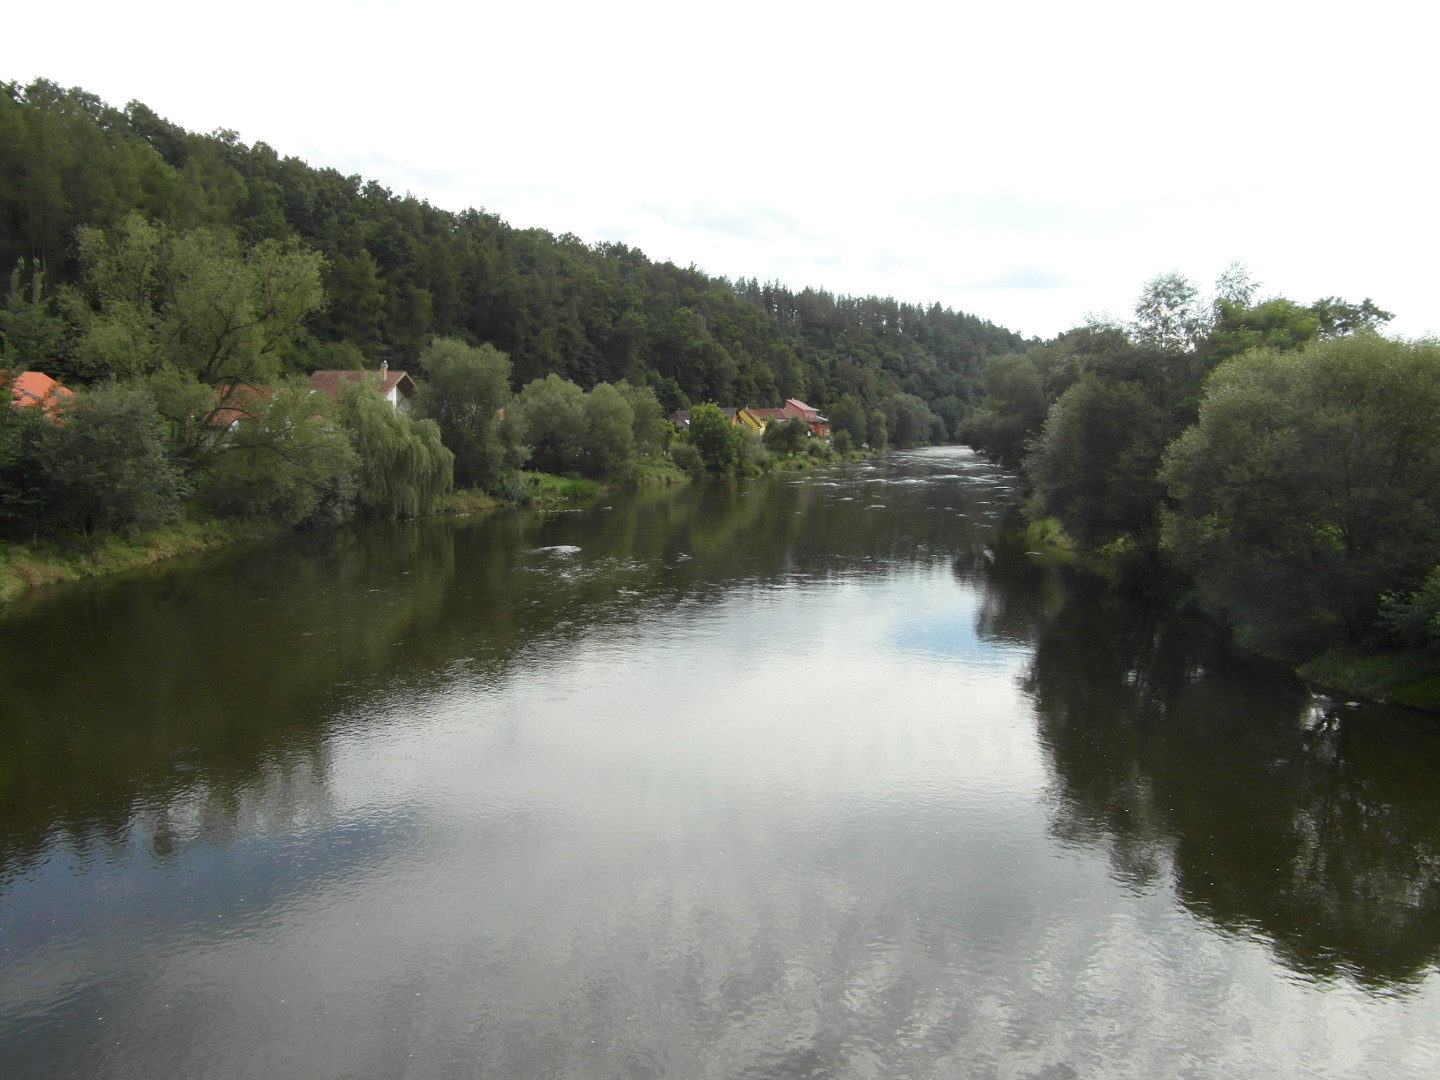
[1274, 464]
[184, 285]
[1271, 463]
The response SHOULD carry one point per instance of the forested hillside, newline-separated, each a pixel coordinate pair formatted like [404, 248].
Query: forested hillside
[398, 272]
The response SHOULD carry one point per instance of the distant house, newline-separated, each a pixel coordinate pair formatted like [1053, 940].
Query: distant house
[395, 386]
[796, 409]
[681, 418]
[241, 403]
[757, 420]
[32, 388]
[750, 419]
[764, 417]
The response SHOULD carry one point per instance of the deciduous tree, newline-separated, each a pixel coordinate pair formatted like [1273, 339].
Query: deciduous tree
[1310, 486]
[198, 301]
[466, 390]
[108, 462]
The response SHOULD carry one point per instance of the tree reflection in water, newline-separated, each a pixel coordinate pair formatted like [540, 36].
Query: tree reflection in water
[1306, 823]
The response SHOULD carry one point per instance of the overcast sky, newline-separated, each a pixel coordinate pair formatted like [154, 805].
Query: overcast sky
[1030, 165]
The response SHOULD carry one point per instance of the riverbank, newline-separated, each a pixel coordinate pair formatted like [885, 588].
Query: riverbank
[52, 562]
[56, 561]
[1382, 678]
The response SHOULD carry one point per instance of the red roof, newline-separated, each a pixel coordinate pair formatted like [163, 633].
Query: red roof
[242, 403]
[796, 407]
[329, 382]
[37, 388]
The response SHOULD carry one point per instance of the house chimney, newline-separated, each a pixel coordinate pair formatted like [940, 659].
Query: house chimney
[384, 367]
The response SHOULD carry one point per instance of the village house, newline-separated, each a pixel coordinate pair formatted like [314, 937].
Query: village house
[796, 409]
[241, 402]
[34, 388]
[756, 419]
[396, 387]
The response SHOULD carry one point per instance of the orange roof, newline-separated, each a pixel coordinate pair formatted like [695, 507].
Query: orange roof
[37, 388]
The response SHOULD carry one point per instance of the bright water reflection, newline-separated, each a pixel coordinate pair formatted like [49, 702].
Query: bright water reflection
[804, 778]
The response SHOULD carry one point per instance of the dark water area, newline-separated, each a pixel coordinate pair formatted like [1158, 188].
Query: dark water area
[822, 776]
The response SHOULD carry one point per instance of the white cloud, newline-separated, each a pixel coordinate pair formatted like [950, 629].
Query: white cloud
[969, 155]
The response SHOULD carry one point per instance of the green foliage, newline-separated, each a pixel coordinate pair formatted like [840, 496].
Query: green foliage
[1169, 315]
[1274, 324]
[1339, 317]
[786, 436]
[26, 493]
[465, 390]
[109, 465]
[609, 432]
[878, 435]
[399, 272]
[1095, 465]
[687, 459]
[652, 431]
[848, 415]
[549, 416]
[198, 302]
[289, 463]
[719, 442]
[405, 468]
[602, 433]
[190, 409]
[910, 422]
[33, 336]
[1014, 409]
[1412, 618]
[1310, 487]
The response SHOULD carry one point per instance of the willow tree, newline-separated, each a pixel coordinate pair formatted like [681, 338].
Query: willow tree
[405, 469]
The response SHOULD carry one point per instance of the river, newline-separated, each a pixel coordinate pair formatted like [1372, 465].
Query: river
[822, 776]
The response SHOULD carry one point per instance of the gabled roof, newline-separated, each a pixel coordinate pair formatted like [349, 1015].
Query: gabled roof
[329, 382]
[748, 417]
[37, 388]
[796, 407]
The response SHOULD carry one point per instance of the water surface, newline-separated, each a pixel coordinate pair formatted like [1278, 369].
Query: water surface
[806, 777]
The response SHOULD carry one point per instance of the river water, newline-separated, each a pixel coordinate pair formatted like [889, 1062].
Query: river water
[821, 776]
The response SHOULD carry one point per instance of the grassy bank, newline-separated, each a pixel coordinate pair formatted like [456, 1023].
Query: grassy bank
[25, 566]
[1387, 678]
[53, 561]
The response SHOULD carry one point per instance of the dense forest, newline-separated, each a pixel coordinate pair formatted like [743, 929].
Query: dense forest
[185, 285]
[398, 272]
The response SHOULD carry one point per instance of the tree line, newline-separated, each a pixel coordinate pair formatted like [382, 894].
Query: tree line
[178, 341]
[397, 272]
[1273, 463]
